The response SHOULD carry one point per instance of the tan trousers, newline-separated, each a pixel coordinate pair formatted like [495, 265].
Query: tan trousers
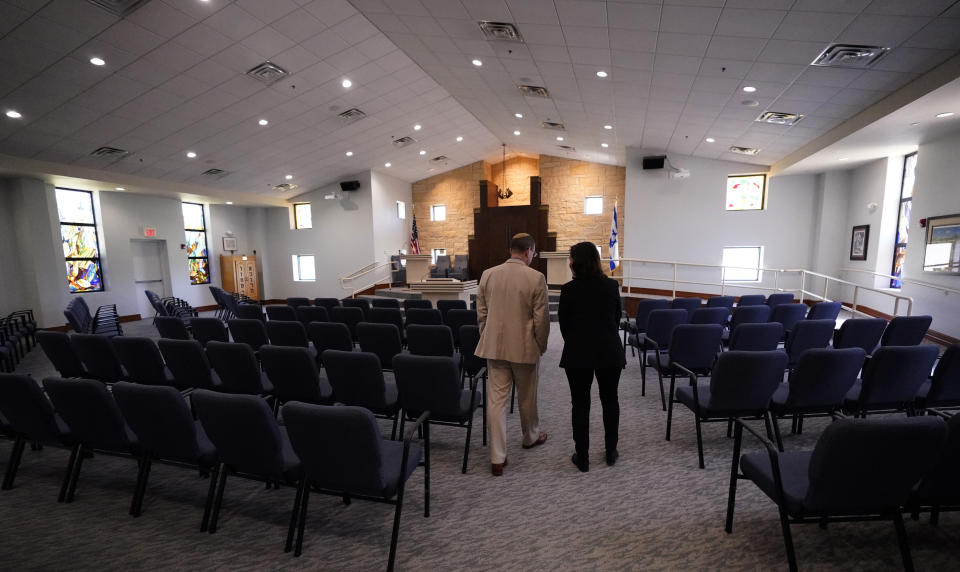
[503, 374]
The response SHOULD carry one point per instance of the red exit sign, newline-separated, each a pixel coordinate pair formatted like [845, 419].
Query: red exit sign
[149, 231]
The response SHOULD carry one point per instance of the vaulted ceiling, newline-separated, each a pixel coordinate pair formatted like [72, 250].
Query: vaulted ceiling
[174, 82]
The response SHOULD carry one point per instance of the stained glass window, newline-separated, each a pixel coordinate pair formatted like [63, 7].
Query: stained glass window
[746, 192]
[81, 244]
[903, 218]
[195, 231]
[302, 216]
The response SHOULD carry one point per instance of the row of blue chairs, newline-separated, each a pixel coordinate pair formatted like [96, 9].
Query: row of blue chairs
[232, 435]
[106, 320]
[17, 337]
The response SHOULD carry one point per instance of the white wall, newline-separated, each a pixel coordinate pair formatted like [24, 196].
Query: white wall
[830, 222]
[390, 233]
[11, 274]
[685, 219]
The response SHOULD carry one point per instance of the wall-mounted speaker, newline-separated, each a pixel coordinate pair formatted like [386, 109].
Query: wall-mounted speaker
[349, 185]
[654, 161]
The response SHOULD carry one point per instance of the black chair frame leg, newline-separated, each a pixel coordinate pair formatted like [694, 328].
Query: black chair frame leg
[74, 475]
[218, 499]
[211, 493]
[302, 517]
[734, 475]
[903, 541]
[466, 445]
[140, 490]
[396, 528]
[787, 539]
[294, 515]
[663, 400]
[696, 418]
[776, 430]
[426, 469]
[14, 463]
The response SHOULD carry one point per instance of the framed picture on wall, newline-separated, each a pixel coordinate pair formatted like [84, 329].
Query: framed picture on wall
[858, 242]
[942, 252]
[229, 243]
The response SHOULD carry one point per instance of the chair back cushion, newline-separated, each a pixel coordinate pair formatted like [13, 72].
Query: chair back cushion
[754, 337]
[78, 315]
[297, 302]
[328, 303]
[644, 307]
[387, 316]
[895, 373]
[745, 381]
[808, 334]
[237, 367]
[250, 312]
[293, 373]
[752, 300]
[380, 339]
[824, 311]
[457, 317]
[660, 325]
[822, 377]
[56, 345]
[250, 332]
[435, 340]
[710, 315]
[940, 484]
[91, 413]
[98, 356]
[788, 314]
[307, 314]
[720, 302]
[356, 378]
[171, 327]
[425, 316]
[26, 409]
[469, 338]
[417, 303]
[428, 383]
[208, 329]
[160, 418]
[755, 314]
[446, 305]
[688, 304]
[188, 363]
[695, 346]
[281, 312]
[866, 465]
[906, 330]
[945, 387]
[287, 333]
[384, 302]
[361, 303]
[778, 298]
[330, 336]
[142, 360]
[156, 302]
[349, 315]
[861, 333]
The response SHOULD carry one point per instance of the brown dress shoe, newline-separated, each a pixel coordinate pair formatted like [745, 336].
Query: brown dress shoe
[496, 469]
[540, 441]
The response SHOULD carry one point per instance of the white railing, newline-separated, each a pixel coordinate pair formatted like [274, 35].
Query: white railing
[368, 277]
[800, 281]
[931, 285]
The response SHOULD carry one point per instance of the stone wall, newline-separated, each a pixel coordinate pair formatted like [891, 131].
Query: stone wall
[565, 184]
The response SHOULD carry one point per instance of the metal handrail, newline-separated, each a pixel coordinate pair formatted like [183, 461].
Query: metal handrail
[366, 269]
[363, 272]
[904, 280]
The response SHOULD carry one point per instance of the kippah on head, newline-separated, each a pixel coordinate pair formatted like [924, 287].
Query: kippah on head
[521, 242]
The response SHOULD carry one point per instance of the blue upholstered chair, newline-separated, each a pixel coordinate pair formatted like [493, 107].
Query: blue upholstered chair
[778, 298]
[307, 314]
[435, 340]
[431, 384]
[294, 334]
[457, 317]
[656, 338]
[938, 489]
[359, 463]
[384, 302]
[250, 332]
[863, 333]
[720, 302]
[361, 303]
[716, 315]
[328, 303]
[824, 311]
[98, 356]
[859, 470]
[188, 362]
[143, 362]
[388, 316]
[741, 385]
[755, 314]
[943, 389]
[688, 304]
[350, 316]
[329, 336]
[30, 417]
[250, 312]
[638, 324]
[382, 340]
[417, 303]
[249, 441]
[807, 335]
[166, 432]
[475, 368]
[446, 305]
[293, 373]
[756, 337]
[96, 425]
[906, 330]
[788, 315]
[281, 312]
[238, 370]
[891, 379]
[357, 379]
[208, 329]
[423, 316]
[694, 347]
[295, 302]
[752, 300]
[172, 327]
[57, 347]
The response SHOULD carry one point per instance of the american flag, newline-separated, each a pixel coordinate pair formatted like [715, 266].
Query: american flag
[414, 236]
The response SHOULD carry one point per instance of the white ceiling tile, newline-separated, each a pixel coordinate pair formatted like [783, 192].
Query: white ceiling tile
[461, 29]
[267, 42]
[726, 85]
[749, 23]
[495, 10]
[676, 64]
[161, 19]
[551, 54]
[203, 40]
[331, 12]
[210, 71]
[586, 37]
[347, 60]
[234, 22]
[387, 22]
[581, 13]
[914, 60]
[768, 71]
[533, 12]
[683, 44]
[942, 34]
[542, 34]
[267, 12]
[881, 30]
[48, 34]
[689, 19]
[295, 59]
[912, 8]
[633, 40]
[637, 61]
[812, 26]
[76, 16]
[325, 44]
[848, 6]
[633, 16]
[790, 52]
[186, 86]
[130, 37]
[445, 9]
[829, 77]
[724, 68]
[595, 56]
[881, 80]
[858, 97]
[148, 72]
[811, 93]
[299, 25]
[725, 47]
[356, 29]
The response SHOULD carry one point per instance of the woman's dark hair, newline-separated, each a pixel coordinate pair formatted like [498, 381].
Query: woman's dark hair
[585, 260]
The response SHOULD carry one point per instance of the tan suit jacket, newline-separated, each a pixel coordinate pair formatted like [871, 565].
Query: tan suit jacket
[512, 313]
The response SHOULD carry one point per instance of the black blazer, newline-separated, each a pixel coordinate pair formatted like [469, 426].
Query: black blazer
[589, 315]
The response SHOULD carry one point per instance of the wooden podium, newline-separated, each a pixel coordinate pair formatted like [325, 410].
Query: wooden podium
[418, 267]
[238, 273]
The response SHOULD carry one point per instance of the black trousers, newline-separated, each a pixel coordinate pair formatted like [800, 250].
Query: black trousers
[580, 380]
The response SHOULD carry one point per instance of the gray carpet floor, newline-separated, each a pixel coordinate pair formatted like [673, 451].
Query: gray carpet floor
[654, 510]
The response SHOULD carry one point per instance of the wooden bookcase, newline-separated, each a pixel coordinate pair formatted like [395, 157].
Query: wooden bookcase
[239, 274]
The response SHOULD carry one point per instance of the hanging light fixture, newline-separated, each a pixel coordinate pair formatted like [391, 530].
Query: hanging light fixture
[504, 194]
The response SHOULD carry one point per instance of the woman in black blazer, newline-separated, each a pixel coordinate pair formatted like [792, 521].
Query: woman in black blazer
[589, 315]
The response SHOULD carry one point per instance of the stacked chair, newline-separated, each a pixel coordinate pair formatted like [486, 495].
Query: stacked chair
[106, 321]
[17, 337]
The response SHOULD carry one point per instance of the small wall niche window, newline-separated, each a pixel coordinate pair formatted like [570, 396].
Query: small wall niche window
[195, 230]
[742, 263]
[746, 192]
[593, 205]
[302, 216]
[401, 210]
[304, 268]
[438, 212]
[903, 218]
[81, 241]
[437, 252]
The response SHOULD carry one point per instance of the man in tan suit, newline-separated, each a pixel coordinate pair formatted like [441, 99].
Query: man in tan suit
[514, 324]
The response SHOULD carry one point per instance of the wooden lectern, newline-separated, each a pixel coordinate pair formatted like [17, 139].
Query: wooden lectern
[238, 273]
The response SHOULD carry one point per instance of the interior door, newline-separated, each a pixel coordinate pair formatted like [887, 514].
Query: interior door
[149, 272]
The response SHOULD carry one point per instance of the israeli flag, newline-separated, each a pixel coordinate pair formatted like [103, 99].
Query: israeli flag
[614, 251]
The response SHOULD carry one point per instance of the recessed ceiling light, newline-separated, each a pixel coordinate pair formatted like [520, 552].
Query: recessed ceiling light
[346, 83]
[191, 155]
[604, 145]
[749, 89]
[601, 73]
[710, 140]
[477, 63]
[13, 114]
[349, 153]
[386, 164]
[288, 177]
[945, 114]
[518, 115]
[98, 61]
[517, 132]
[915, 123]
[559, 138]
[608, 126]
[417, 127]
[121, 189]
[844, 158]
[263, 122]
[422, 152]
[229, 202]
[459, 139]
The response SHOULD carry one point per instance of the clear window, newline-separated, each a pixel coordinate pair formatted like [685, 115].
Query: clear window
[81, 242]
[195, 231]
[401, 210]
[438, 212]
[302, 216]
[742, 263]
[438, 252]
[304, 269]
[593, 205]
[746, 192]
[903, 218]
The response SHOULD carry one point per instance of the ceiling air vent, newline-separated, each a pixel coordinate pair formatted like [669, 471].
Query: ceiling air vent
[439, 159]
[779, 118]
[284, 187]
[215, 173]
[351, 115]
[403, 141]
[849, 56]
[744, 150]
[109, 152]
[119, 8]
[552, 125]
[567, 147]
[534, 90]
[268, 72]
[501, 31]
